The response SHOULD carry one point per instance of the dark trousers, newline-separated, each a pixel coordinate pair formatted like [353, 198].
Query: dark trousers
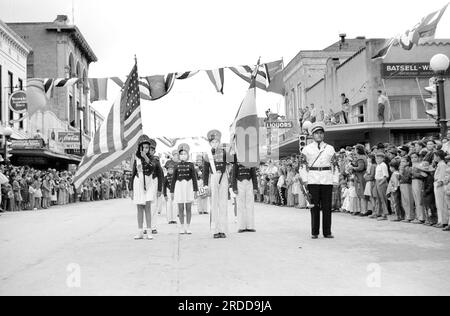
[321, 198]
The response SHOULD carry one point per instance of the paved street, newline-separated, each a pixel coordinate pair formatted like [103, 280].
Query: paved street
[37, 248]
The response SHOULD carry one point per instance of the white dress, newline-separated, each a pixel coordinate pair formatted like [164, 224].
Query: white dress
[184, 192]
[346, 196]
[140, 195]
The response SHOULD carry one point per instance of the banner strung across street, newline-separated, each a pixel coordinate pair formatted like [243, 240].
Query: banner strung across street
[152, 88]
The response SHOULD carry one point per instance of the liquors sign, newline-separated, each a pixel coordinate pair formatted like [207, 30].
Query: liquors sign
[279, 124]
[407, 70]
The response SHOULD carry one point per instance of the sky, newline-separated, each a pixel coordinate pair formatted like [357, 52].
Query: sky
[175, 35]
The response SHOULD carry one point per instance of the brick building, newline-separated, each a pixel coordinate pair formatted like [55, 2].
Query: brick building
[360, 77]
[59, 50]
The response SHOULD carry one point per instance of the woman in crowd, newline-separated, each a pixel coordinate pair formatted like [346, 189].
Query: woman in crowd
[46, 190]
[439, 188]
[37, 186]
[290, 175]
[358, 169]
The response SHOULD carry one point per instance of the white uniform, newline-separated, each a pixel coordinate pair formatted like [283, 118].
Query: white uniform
[219, 202]
[324, 177]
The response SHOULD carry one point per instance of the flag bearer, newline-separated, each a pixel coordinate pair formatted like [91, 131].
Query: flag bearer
[184, 188]
[215, 179]
[171, 211]
[245, 186]
[145, 184]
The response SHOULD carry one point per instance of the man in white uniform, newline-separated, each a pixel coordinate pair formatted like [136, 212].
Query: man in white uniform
[215, 179]
[319, 175]
[245, 186]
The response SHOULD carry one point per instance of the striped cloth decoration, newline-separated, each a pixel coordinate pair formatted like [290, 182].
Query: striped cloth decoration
[118, 135]
[217, 78]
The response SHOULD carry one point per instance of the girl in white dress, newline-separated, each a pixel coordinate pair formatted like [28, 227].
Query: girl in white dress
[184, 188]
[146, 183]
[346, 198]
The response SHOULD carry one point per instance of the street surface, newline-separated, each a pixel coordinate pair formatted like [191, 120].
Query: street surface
[88, 249]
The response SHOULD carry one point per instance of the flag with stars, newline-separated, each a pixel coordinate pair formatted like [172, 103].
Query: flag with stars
[118, 135]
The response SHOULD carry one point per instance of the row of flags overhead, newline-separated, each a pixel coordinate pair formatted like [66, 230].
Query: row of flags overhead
[151, 88]
[118, 136]
[422, 31]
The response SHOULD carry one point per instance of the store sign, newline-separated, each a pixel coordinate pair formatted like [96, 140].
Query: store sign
[408, 70]
[279, 124]
[70, 140]
[27, 144]
[18, 102]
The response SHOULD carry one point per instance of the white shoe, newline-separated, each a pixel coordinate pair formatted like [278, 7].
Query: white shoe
[149, 237]
[188, 231]
[139, 236]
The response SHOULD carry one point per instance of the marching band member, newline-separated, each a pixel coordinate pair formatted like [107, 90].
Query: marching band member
[215, 179]
[175, 156]
[184, 188]
[319, 175]
[170, 210]
[157, 203]
[202, 200]
[245, 186]
[146, 183]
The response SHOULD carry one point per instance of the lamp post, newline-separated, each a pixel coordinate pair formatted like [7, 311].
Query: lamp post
[439, 64]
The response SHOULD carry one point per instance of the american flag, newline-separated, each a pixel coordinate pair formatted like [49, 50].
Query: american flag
[117, 137]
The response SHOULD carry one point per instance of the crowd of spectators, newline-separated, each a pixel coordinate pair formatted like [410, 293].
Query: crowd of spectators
[408, 183]
[24, 188]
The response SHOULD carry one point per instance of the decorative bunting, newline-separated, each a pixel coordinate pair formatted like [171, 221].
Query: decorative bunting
[217, 78]
[269, 78]
[158, 86]
[186, 75]
[98, 88]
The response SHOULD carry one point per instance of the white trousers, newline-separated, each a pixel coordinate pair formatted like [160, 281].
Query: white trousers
[441, 204]
[171, 211]
[219, 202]
[203, 205]
[245, 205]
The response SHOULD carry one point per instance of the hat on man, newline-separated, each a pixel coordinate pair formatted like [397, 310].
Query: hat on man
[318, 126]
[214, 134]
[393, 150]
[183, 147]
[404, 148]
[380, 154]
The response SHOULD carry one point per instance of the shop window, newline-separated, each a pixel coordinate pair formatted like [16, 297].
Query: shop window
[71, 112]
[400, 108]
[359, 111]
[421, 108]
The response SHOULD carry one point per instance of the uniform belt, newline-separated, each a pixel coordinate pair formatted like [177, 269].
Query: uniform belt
[320, 169]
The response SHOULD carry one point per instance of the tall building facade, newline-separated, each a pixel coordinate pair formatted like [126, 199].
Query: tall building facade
[13, 74]
[359, 78]
[59, 50]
